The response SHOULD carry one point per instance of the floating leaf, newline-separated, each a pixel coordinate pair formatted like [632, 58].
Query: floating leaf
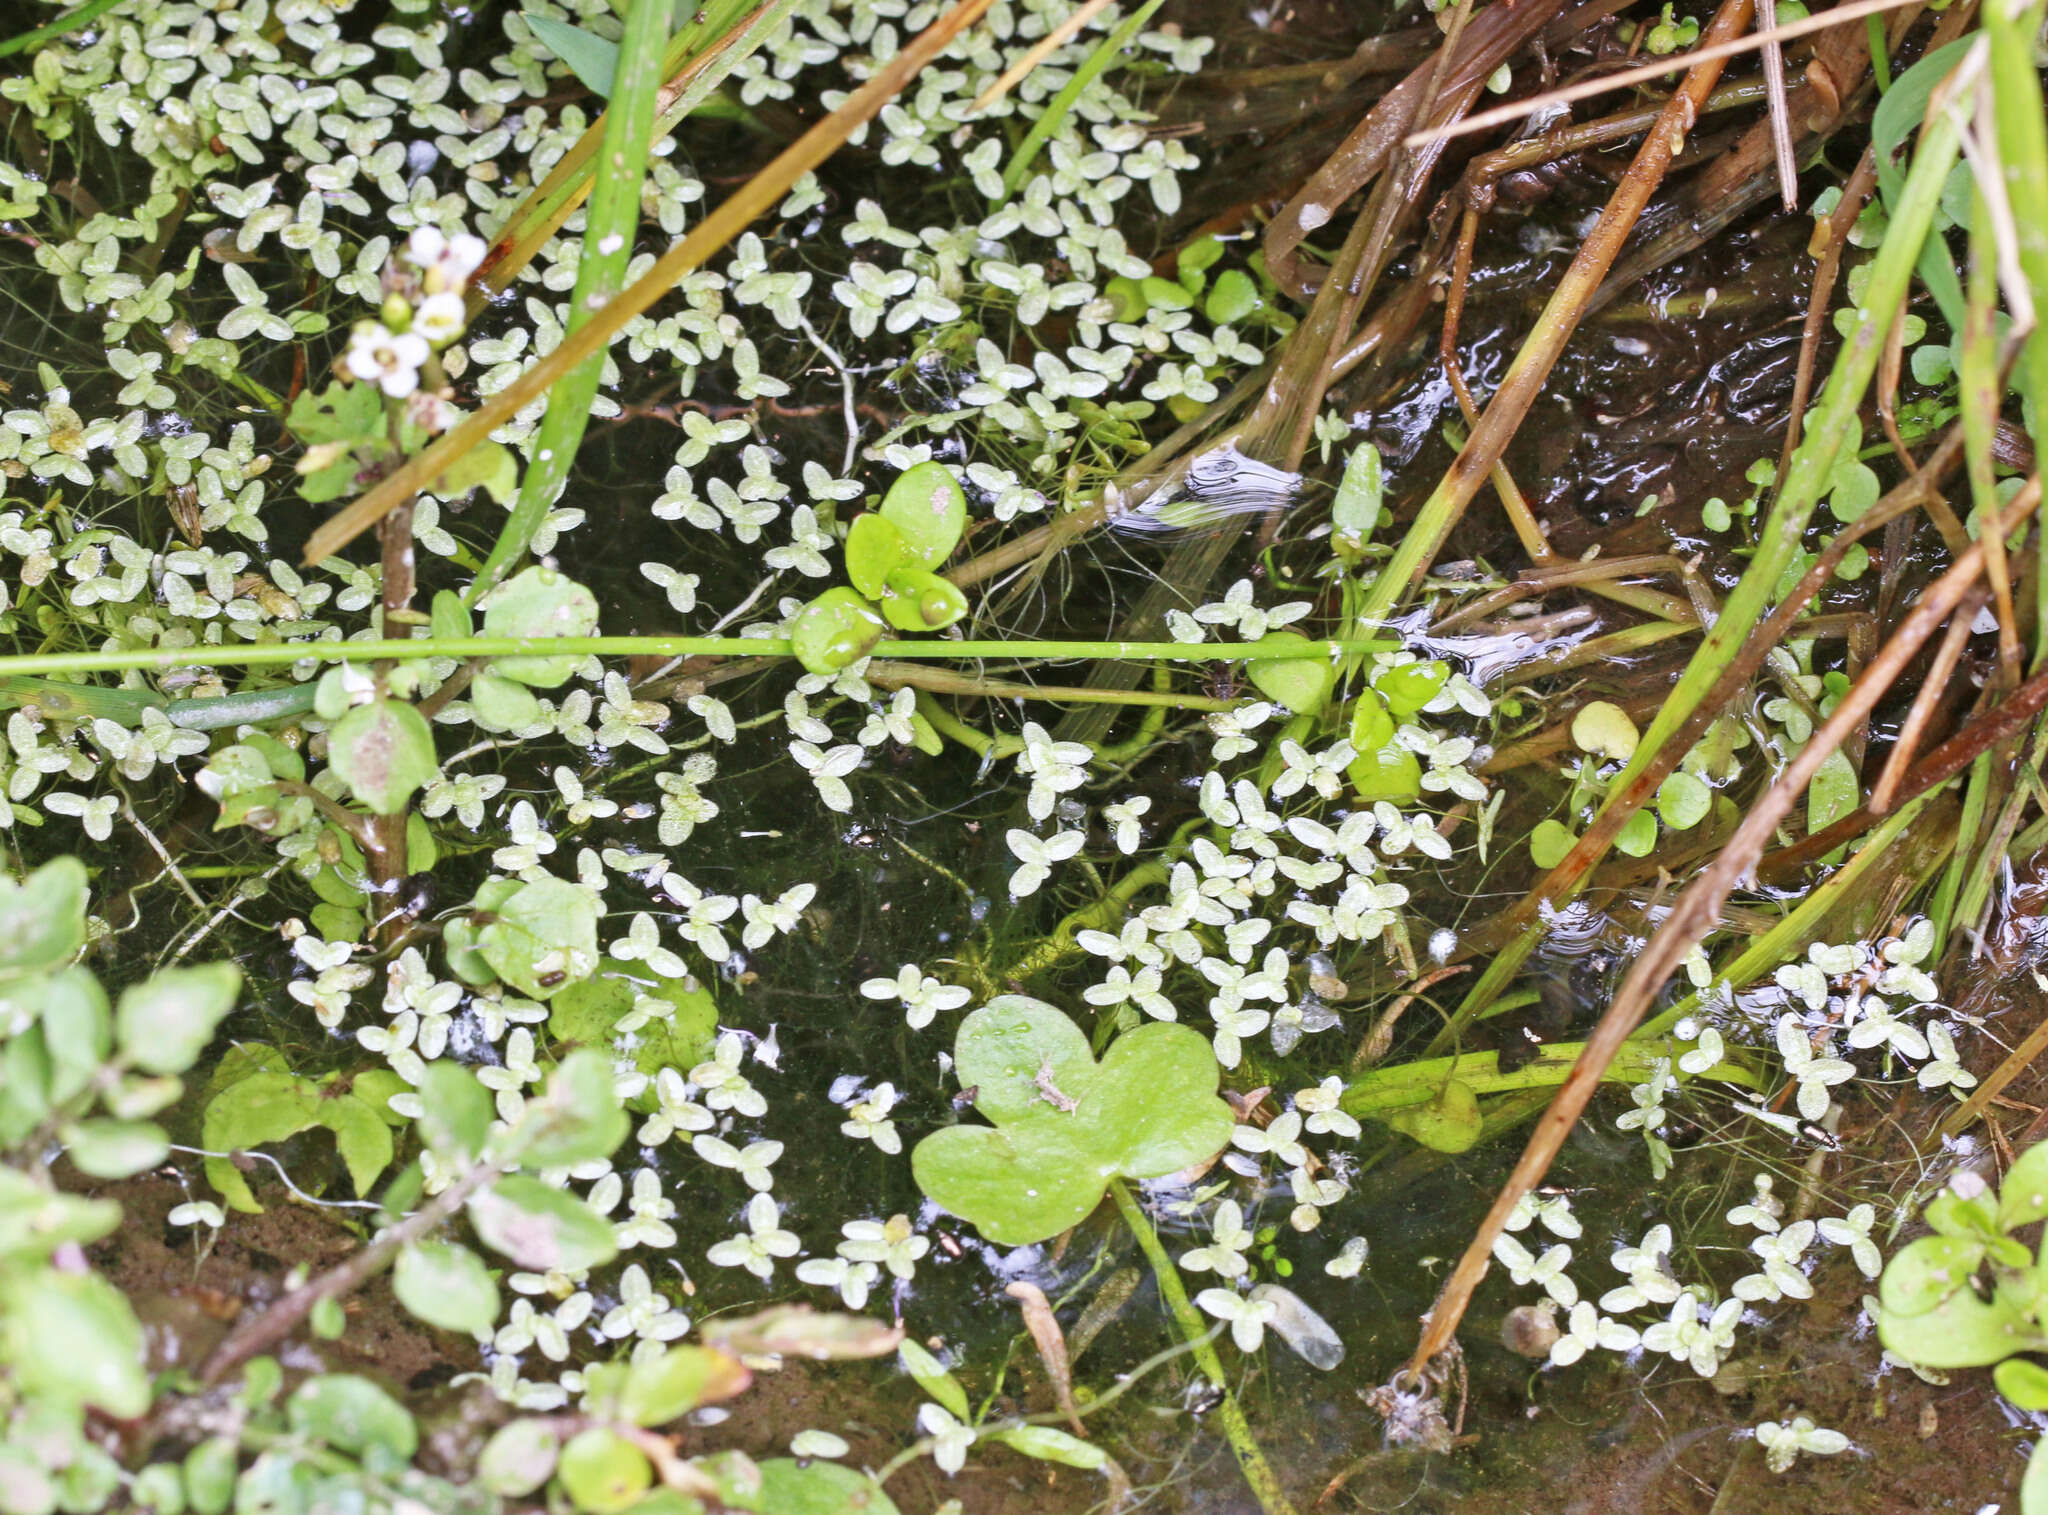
[874, 550]
[1311, 1337]
[351, 1414]
[1066, 1125]
[269, 1107]
[577, 1117]
[501, 704]
[1833, 792]
[1302, 684]
[834, 630]
[446, 1286]
[1407, 687]
[1603, 729]
[919, 600]
[800, 1331]
[2023, 1381]
[1451, 1122]
[818, 1487]
[541, 1228]
[1231, 298]
[928, 508]
[542, 938]
[1360, 496]
[2023, 1197]
[384, 752]
[488, 466]
[538, 602]
[1962, 1331]
[1683, 801]
[603, 1472]
[1927, 1271]
[680, 1035]
[1638, 834]
[1549, 841]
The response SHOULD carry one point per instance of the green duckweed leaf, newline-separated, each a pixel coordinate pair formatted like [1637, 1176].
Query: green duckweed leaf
[928, 508]
[836, 629]
[874, 550]
[1065, 1125]
[1302, 684]
[919, 600]
[384, 752]
[538, 602]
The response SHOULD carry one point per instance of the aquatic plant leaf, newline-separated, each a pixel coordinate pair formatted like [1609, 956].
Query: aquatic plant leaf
[591, 58]
[1232, 297]
[502, 704]
[818, 1487]
[518, 1458]
[874, 550]
[540, 1227]
[665, 1388]
[835, 629]
[603, 1472]
[542, 938]
[1638, 834]
[800, 1331]
[2034, 1486]
[1683, 801]
[2023, 1381]
[114, 1148]
[1962, 1331]
[1066, 1124]
[42, 918]
[351, 1414]
[456, 1111]
[919, 600]
[2023, 1197]
[1925, 1272]
[1549, 841]
[1603, 729]
[71, 1338]
[1409, 686]
[1050, 1444]
[680, 1035]
[1832, 794]
[1361, 494]
[488, 466]
[538, 602]
[929, 510]
[578, 1117]
[384, 752]
[1302, 684]
[163, 1023]
[1451, 1122]
[446, 1286]
[270, 1107]
[35, 1222]
[931, 1376]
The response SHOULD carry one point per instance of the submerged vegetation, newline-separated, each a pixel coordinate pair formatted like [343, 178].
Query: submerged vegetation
[683, 679]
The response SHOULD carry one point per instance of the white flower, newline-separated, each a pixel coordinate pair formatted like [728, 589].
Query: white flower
[390, 360]
[1248, 1317]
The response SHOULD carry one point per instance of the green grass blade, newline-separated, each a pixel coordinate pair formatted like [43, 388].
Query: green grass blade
[610, 226]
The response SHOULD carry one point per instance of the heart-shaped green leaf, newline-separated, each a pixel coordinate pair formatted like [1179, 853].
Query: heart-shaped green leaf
[383, 751]
[1302, 684]
[538, 602]
[929, 510]
[1065, 1125]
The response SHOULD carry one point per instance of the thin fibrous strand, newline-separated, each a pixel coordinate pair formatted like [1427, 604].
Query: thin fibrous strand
[1677, 62]
[1781, 121]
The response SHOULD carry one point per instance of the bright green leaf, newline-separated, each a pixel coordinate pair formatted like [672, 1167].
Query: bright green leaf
[384, 752]
[836, 629]
[446, 1286]
[165, 1022]
[929, 510]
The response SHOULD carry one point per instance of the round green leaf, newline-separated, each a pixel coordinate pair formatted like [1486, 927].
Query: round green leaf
[384, 752]
[2023, 1197]
[1407, 687]
[25, 1488]
[541, 1228]
[928, 508]
[1638, 834]
[1925, 1272]
[665, 1388]
[42, 919]
[874, 550]
[577, 1117]
[542, 938]
[502, 704]
[1449, 1123]
[2023, 1381]
[518, 1458]
[1231, 298]
[165, 1022]
[456, 1111]
[210, 1474]
[919, 600]
[1603, 729]
[1962, 1331]
[538, 602]
[446, 1286]
[603, 1472]
[1833, 792]
[1683, 801]
[1302, 684]
[680, 1035]
[836, 629]
[1549, 841]
[351, 1414]
[115, 1148]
